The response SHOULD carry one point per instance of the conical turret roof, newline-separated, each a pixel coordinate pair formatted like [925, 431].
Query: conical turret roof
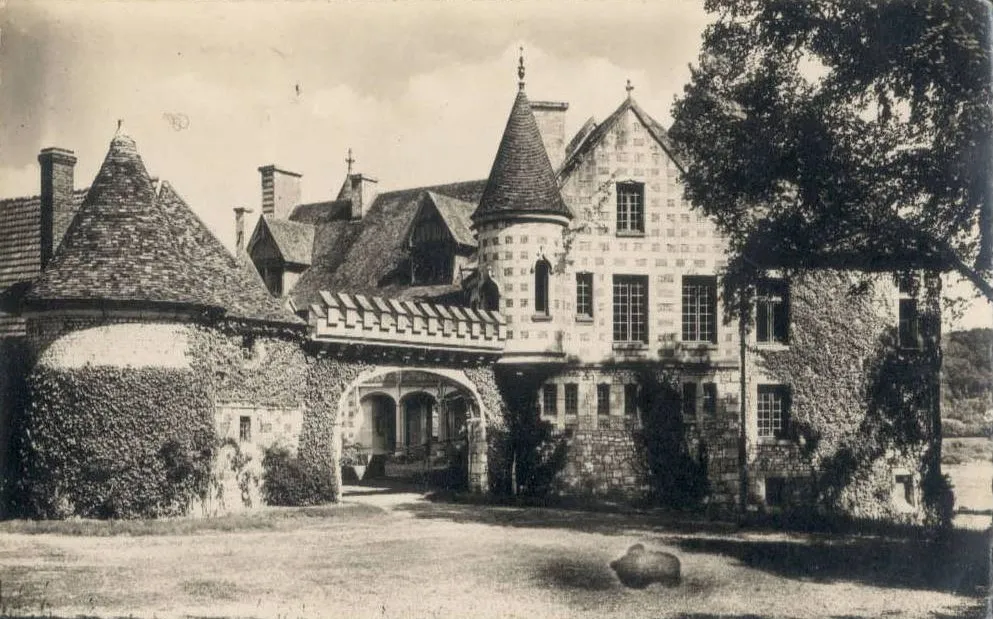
[521, 181]
[137, 244]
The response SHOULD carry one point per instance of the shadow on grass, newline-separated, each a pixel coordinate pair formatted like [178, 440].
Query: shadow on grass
[956, 563]
[611, 520]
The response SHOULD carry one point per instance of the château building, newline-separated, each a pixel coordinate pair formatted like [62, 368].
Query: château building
[418, 327]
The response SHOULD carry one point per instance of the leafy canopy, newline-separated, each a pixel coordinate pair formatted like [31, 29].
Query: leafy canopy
[845, 133]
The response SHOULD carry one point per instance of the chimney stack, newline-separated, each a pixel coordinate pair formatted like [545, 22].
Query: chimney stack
[361, 191]
[280, 191]
[57, 207]
[550, 116]
[239, 228]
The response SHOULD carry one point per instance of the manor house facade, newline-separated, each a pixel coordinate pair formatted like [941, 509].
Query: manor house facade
[417, 326]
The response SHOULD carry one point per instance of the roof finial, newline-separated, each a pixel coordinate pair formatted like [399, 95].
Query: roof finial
[349, 160]
[629, 88]
[520, 69]
[120, 127]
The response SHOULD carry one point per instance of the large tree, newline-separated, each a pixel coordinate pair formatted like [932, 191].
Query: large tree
[845, 133]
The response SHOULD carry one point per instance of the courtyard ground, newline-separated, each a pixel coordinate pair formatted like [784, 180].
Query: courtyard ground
[395, 554]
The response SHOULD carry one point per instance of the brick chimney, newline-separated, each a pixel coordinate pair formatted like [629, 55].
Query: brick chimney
[550, 116]
[280, 191]
[239, 228]
[361, 191]
[57, 207]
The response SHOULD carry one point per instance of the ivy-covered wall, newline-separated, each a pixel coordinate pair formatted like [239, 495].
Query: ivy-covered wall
[114, 442]
[864, 410]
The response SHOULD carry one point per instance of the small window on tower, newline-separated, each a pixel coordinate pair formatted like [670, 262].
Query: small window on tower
[245, 429]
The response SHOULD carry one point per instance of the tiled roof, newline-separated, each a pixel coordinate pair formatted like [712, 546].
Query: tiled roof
[295, 240]
[225, 278]
[582, 145]
[362, 256]
[132, 243]
[522, 179]
[20, 255]
[321, 212]
[458, 217]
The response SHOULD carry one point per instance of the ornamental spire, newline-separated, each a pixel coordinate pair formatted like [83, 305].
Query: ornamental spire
[629, 88]
[520, 70]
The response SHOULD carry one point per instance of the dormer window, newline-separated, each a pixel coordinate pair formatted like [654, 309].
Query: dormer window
[630, 208]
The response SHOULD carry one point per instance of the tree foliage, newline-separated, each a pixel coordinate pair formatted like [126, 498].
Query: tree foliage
[844, 133]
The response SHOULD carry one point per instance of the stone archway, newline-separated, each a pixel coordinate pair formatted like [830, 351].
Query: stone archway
[439, 416]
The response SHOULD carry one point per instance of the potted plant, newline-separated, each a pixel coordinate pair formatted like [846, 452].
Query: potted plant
[355, 457]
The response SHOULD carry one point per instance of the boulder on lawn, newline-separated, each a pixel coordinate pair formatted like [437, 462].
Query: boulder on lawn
[640, 568]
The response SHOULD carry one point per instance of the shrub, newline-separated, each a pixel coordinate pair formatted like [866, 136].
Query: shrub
[289, 481]
[109, 442]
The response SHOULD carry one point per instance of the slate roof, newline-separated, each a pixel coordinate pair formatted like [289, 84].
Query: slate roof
[133, 243]
[321, 212]
[522, 179]
[594, 137]
[363, 256]
[295, 240]
[458, 217]
[20, 254]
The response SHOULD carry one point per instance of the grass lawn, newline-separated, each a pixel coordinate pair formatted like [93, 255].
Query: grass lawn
[407, 557]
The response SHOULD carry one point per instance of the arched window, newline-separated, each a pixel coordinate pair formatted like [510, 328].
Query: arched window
[489, 296]
[541, 294]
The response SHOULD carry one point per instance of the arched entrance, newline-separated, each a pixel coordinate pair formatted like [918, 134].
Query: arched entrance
[422, 425]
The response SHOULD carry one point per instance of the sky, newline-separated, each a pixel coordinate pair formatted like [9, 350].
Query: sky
[420, 91]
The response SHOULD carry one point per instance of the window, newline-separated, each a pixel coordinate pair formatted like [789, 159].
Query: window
[700, 309]
[273, 278]
[631, 308]
[710, 398]
[909, 325]
[571, 399]
[689, 401]
[775, 491]
[603, 399]
[773, 411]
[772, 311]
[630, 207]
[631, 399]
[245, 429]
[541, 271]
[909, 313]
[489, 297]
[549, 400]
[584, 295]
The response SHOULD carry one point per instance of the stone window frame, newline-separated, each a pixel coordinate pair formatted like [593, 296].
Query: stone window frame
[584, 296]
[245, 429]
[773, 405]
[603, 399]
[772, 311]
[630, 197]
[571, 399]
[631, 308]
[699, 309]
[549, 400]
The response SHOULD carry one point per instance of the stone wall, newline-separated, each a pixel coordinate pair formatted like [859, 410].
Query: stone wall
[602, 462]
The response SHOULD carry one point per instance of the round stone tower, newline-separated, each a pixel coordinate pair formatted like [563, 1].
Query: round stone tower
[519, 223]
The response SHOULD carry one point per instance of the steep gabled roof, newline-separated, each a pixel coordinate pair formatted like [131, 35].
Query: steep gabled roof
[133, 243]
[457, 215]
[595, 136]
[360, 256]
[522, 180]
[294, 240]
[231, 283]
